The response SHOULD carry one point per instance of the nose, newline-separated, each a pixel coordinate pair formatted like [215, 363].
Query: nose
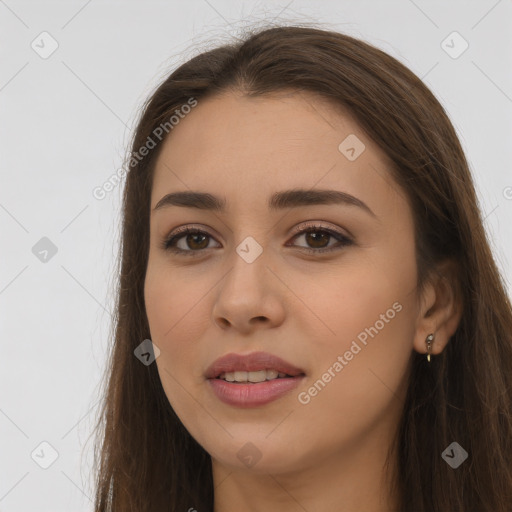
[249, 296]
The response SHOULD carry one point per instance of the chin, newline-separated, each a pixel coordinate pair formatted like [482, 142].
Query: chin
[257, 457]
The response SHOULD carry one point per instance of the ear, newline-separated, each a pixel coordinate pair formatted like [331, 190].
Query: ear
[440, 309]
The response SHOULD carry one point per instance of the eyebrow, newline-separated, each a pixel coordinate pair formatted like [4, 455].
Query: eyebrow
[295, 198]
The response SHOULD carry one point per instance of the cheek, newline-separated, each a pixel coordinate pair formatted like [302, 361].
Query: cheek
[369, 315]
[172, 301]
[175, 308]
[373, 325]
[364, 302]
[175, 326]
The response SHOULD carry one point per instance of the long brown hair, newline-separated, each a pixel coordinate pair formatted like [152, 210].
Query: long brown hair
[145, 458]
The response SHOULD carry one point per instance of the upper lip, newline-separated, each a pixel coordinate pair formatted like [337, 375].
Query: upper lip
[250, 363]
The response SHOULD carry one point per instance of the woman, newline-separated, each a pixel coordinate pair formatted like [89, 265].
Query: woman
[304, 255]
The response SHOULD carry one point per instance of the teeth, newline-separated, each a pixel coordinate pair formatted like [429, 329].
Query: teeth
[259, 376]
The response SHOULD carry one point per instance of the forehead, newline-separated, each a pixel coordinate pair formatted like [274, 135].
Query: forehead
[246, 148]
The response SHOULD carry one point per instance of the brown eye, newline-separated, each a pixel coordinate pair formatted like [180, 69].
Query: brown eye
[317, 239]
[192, 242]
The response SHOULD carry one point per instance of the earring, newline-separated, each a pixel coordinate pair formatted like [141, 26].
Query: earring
[429, 339]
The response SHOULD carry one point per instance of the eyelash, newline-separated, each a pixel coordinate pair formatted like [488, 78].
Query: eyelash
[168, 244]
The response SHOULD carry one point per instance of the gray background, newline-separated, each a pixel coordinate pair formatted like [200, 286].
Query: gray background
[65, 122]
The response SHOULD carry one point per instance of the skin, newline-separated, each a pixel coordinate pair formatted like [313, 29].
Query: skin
[306, 308]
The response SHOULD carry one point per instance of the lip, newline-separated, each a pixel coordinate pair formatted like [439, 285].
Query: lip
[252, 394]
[251, 363]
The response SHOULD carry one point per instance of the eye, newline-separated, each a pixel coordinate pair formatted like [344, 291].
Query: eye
[316, 236]
[194, 241]
[194, 238]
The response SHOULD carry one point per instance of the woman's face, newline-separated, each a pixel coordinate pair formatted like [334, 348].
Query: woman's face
[254, 281]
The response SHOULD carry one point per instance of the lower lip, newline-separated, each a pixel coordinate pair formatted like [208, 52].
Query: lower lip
[253, 395]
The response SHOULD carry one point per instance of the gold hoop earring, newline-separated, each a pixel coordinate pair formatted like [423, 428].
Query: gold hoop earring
[429, 340]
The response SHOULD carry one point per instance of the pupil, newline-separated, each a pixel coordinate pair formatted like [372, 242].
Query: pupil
[316, 237]
[196, 235]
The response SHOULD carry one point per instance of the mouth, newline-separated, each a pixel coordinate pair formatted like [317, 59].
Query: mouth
[254, 367]
[242, 377]
[252, 380]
